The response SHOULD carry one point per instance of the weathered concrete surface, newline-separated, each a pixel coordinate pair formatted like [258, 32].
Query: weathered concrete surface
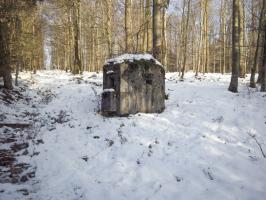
[139, 86]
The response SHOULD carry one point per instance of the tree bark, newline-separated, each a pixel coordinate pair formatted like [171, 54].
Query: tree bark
[201, 51]
[5, 68]
[164, 44]
[108, 27]
[76, 20]
[148, 27]
[185, 38]
[233, 87]
[128, 26]
[255, 60]
[156, 30]
[206, 37]
[263, 67]
[223, 36]
[242, 63]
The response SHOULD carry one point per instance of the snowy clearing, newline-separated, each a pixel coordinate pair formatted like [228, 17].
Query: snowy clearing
[207, 144]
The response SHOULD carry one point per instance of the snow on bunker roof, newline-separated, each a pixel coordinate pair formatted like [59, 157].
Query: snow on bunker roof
[131, 58]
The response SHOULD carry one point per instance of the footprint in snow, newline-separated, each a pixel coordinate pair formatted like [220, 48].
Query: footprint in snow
[208, 174]
[178, 179]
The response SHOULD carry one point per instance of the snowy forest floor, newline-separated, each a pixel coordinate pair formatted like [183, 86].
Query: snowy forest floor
[207, 144]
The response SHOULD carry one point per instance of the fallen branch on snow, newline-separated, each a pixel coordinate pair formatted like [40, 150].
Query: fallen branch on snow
[254, 137]
[14, 125]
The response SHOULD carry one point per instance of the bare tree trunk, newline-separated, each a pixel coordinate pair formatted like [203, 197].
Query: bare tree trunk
[5, 68]
[96, 51]
[69, 40]
[242, 68]
[164, 32]
[177, 53]
[185, 38]
[223, 36]
[200, 48]
[141, 44]
[18, 66]
[76, 18]
[263, 66]
[206, 37]
[214, 61]
[148, 27]
[164, 47]
[254, 66]
[108, 26]
[156, 30]
[128, 26]
[235, 48]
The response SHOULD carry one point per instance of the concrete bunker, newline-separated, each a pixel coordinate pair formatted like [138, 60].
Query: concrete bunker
[133, 83]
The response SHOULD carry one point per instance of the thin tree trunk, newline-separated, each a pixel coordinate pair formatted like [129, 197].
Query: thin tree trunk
[235, 48]
[200, 49]
[254, 66]
[242, 69]
[206, 36]
[5, 68]
[76, 16]
[108, 26]
[185, 38]
[69, 41]
[148, 27]
[164, 24]
[223, 36]
[18, 66]
[263, 66]
[128, 26]
[157, 36]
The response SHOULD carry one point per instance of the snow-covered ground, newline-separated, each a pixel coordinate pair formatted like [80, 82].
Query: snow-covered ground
[207, 144]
